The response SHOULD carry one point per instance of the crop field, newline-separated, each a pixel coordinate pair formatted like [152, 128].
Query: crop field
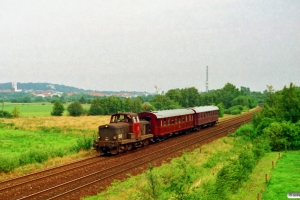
[62, 124]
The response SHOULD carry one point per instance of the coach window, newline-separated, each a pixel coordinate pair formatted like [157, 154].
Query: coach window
[176, 120]
[165, 123]
[179, 119]
[192, 117]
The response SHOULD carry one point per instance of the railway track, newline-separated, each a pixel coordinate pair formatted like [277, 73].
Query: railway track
[86, 177]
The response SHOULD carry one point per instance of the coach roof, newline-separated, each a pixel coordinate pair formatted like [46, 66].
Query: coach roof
[171, 113]
[205, 109]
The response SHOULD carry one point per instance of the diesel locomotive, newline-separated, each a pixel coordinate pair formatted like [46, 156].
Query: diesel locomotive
[127, 130]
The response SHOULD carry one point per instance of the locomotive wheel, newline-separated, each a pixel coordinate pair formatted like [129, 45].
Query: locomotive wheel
[129, 147]
[146, 142]
[114, 151]
[122, 149]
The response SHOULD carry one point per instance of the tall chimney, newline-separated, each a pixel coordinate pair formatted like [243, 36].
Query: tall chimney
[206, 79]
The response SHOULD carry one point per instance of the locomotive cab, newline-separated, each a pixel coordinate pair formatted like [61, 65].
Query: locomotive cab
[124, 132]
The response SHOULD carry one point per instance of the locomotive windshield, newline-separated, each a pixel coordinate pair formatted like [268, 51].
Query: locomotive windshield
[120, 118]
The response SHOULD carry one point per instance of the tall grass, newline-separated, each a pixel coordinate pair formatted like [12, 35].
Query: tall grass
[18, 148]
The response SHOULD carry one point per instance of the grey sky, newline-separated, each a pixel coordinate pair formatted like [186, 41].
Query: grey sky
[134, 45]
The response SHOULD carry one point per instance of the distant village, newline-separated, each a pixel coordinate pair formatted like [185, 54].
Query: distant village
[53, 92]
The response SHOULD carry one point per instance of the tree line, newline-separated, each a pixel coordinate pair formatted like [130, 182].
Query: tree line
[278, 123]
[229, 99]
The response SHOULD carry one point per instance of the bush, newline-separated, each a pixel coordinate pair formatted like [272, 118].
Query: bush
[75, 109]
[15, 112]
[39, 155]
[234, 110]
[83, 143]
[58, 108]
[8, 163]
[5, 114]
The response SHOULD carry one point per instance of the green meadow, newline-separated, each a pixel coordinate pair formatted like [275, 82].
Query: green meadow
[285, 177]
[35, 109]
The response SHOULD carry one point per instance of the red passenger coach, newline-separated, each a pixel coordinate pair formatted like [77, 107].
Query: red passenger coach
[205, 116]
[168, 122]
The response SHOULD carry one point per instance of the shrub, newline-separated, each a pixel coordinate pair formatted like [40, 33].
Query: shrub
[8, 162]
[39, 155]
[75, 109]
[5, 114]
[83, 143]
[58, 108]
[15, 112]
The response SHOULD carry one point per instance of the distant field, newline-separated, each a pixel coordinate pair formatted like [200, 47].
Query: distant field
[35, 109]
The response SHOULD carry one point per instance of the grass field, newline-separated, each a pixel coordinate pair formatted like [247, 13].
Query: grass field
[135, 187]
[35, 109]
[285, 178]
[19, 148]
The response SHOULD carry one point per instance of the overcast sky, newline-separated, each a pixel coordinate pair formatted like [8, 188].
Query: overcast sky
[134, 45]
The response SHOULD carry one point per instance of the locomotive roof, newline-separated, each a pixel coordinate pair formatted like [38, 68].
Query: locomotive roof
[171, 113]
[126, 113]
[205, 108]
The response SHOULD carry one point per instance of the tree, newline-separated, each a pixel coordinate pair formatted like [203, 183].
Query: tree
[58, 108]
[75, 109]
[82, 100]
[162, 102]
[96, 108]
[221, 109]
[190, 97]
[146, 106]
[136, 105]
[228, 93]
[175, 95]
[290, 104]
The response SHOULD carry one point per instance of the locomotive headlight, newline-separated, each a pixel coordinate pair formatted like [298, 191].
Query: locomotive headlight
[99, 137]
[106, 139]
[115, 137]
